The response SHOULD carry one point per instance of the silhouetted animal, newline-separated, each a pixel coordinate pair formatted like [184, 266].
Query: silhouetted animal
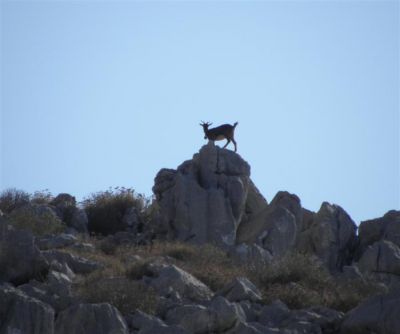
[225, 131]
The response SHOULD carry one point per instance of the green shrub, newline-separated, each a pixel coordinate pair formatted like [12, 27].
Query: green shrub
[38, 219]
[106, 209]
[11, 199]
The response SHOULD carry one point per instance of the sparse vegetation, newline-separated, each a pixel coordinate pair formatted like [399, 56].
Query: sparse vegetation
[106, 209]
[301, 281]
[11, 199]
[37, 219]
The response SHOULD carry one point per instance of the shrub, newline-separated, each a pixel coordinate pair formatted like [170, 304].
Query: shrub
[301, 281]
[42, 197]
[39, 219]
[11, 199]
[106, 209]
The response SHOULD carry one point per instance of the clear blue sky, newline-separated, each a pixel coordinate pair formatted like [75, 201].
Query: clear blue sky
[99, 94]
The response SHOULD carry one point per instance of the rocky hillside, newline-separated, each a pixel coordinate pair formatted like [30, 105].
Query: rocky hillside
[208, 255]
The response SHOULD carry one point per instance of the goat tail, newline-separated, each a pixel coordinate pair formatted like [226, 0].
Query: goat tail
[234, 125]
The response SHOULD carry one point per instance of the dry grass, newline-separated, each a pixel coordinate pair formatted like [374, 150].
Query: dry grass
[301, 281]
[298, 280]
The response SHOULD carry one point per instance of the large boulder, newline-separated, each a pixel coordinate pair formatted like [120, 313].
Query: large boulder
[241, 289]
[206, 198]
[78, 264]
[22, 314]
[169, 279]
[330, 234]
[20, 259]
[384, 228]
[91, 318]
[381, 261]
[275, 227]
[378, 315]
[218, 317]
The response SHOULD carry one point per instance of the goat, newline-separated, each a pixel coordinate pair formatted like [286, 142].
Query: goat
[225, 131]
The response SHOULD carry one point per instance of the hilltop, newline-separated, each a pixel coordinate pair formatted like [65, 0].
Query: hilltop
[208, 255]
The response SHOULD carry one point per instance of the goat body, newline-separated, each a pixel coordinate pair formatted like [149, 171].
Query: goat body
[225, 131]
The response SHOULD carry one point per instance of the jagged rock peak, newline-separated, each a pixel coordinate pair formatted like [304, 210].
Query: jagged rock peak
[206, 198]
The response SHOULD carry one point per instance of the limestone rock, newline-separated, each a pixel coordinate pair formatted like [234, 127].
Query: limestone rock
[384, 228]
[22, 314]
[204, 200]
[79, 265]
[171, 279]
[331, 235]
[91, 318]
[20, 259]
[378, 315]
[241, 289]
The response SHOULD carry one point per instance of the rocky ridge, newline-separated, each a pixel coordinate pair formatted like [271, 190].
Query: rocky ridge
[209, 199]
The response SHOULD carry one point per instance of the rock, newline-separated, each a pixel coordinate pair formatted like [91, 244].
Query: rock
[241, 289]
[91, 318]
[78, 221]
[220, 316]
[57, 241]
[384, 228]
[313, 320]
[204, 200]
[275, 227]
[274, 314]
[381, 260]
[163, 329]
[79, 265]
[140, 320]
[331, 236]
[246, 328]
[22, 314]
[252, 254]
[226, 314]
[169, 278]
[20, 259]
[378, 315]
[195, 319]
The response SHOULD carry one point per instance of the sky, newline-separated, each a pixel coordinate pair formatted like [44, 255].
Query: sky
[102, 94]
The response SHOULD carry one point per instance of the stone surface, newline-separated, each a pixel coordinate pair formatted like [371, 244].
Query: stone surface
[20, 259]
[384, 228]
[331, 235]
[381, 261]
[79, 265]
[220, 316]
[241, 289]
[22, 314]
[169, 279]
[378, 315]
[204, 200]
[56, 241]
[91, 318]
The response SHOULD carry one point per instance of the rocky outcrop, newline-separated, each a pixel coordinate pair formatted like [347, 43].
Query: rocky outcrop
[384, 228]
[206, 198]
[91, 318]
[379, 315]
[330, 234]
[169, 279]
[22, 314]
[20, 259]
